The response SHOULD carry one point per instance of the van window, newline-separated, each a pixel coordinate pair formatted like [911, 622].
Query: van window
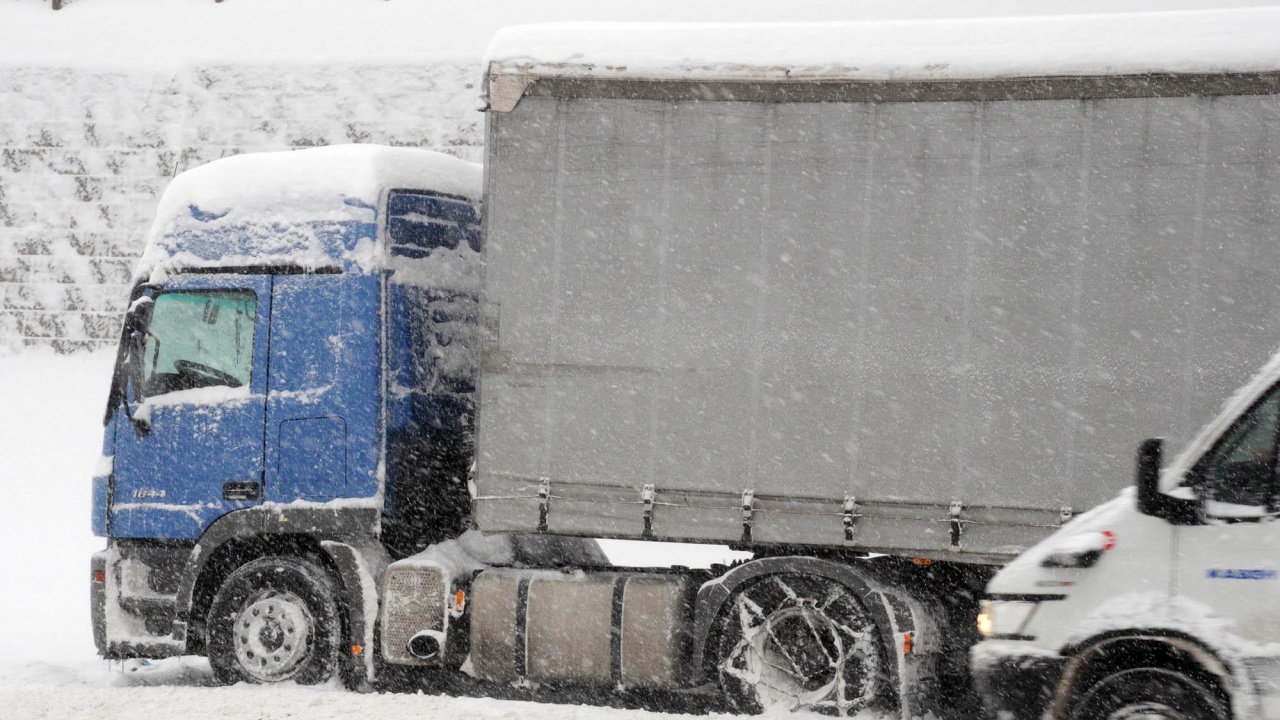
[199, 339]
[1241, 468]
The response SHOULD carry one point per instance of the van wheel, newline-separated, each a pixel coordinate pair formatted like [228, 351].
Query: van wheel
[275, 619]
[794, 641]
[1148, 694]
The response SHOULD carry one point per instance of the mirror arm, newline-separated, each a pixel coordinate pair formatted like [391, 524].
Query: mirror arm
[140, 425]
[131, 370]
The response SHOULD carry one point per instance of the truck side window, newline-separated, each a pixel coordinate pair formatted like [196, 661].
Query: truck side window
[1241, 468]
[199, 339]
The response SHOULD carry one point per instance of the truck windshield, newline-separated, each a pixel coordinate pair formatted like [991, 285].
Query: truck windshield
[199, 339]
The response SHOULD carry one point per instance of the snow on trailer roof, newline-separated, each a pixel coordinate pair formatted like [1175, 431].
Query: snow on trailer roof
[273, 208]
[1192, 42]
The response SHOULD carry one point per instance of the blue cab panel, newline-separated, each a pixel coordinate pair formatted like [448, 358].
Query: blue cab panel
[301, 321]
[101, 496]
[199, 386]
[324, 405]
[267, 384]
[433, 338]
[313, 459]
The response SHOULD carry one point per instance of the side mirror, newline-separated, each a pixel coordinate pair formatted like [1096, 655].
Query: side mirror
[1150, 455]
[135, 318]
[131, 371]
[1151, 501]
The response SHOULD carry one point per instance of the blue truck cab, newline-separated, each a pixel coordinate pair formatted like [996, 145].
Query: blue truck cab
[290, 409]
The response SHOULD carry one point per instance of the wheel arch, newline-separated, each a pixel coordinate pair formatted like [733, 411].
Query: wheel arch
[251, 533]
[1098, 657]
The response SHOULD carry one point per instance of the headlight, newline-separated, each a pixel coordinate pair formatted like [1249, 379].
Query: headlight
[985, 624]
[1004, 617]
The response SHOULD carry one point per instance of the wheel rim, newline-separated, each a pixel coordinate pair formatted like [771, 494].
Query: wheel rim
[806, 653]
[273, 635]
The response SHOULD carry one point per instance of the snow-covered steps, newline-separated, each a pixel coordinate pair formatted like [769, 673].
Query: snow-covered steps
[86, 153]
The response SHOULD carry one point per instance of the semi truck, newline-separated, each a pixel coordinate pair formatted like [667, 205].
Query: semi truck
[885, 325]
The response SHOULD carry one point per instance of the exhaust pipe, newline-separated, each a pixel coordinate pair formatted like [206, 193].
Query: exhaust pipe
[425, 645]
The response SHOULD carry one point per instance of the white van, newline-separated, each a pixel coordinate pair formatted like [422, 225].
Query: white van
[1162, 603]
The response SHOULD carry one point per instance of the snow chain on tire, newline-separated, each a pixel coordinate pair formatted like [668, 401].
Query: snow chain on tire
[796, 641]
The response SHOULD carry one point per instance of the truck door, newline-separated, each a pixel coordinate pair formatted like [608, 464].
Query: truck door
[1231, 561]
[323, 370]
[203, 399]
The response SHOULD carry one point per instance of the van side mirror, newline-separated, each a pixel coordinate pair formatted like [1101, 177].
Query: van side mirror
[1176, 510]
[1150, 455]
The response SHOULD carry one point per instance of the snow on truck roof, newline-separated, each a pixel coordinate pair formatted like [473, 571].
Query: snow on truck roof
[272, 207]
[1193, 42]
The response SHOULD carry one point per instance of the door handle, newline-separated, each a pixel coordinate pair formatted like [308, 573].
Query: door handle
[240, 491]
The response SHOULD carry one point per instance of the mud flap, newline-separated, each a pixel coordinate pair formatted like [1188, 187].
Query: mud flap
[359, 568]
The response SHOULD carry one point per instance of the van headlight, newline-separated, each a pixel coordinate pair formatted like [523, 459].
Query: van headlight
[985, 624]
[1004, 618]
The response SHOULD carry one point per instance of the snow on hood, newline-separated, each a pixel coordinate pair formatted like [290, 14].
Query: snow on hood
[1082, 533]
[1201, 41]
[295, 207]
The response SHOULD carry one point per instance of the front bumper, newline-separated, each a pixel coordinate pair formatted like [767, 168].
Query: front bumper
[127, 627]
[1013, 684]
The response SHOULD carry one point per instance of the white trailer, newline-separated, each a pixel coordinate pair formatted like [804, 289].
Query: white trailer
[922, 317]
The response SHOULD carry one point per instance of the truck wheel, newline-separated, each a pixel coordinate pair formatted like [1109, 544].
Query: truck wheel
[275, 619]
[1148, 694]
[794, 641]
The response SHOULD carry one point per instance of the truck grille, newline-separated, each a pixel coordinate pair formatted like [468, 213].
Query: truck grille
[414, 601]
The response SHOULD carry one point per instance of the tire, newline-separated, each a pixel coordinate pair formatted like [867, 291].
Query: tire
[1148, 694]
[795, 641]
[275, 619]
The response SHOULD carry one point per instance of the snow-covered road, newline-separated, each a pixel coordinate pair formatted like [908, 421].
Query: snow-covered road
[178, 689]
